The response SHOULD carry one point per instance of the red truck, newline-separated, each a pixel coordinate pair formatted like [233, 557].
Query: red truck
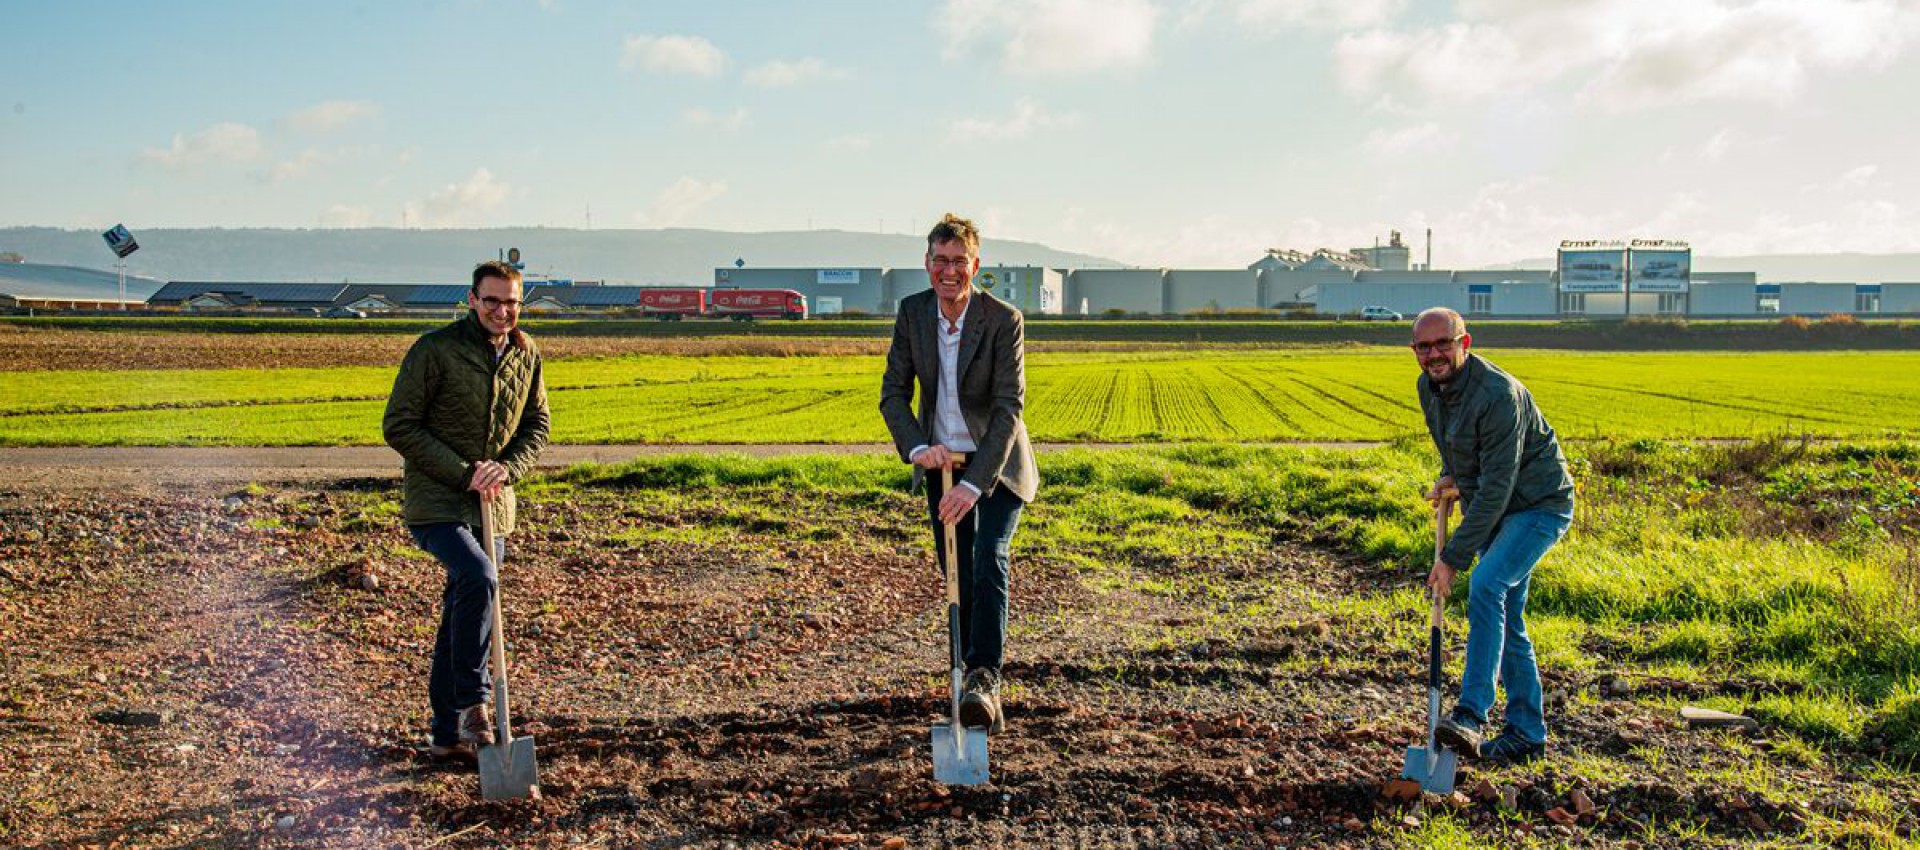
[673, 304]
[747, 304]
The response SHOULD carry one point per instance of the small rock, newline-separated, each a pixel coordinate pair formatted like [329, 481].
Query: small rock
[1707, 718]
[1354, 824]
[894, 843]
[307, 522]
[1484, 792]
[1582, 804]
[133, 717]
[369, 582]
[284, 824]
[1401, 790]
[1509, 798]
[1561, 816]
[1410, 822]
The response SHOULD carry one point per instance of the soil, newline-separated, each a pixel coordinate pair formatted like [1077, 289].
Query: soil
[208, 668]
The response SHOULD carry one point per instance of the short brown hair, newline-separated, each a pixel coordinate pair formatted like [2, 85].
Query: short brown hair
[953, 228]
[494, 268]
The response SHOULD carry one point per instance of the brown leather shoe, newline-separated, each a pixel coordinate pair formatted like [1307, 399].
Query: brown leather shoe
[980, 701]
[458, 753]
[476, 728]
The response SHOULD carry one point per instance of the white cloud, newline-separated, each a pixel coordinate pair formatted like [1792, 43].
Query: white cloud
[781, 73]
[672, 54]
[1854, 178]
[1419, 138]
[1316, 14]
[342, 215]
[735, 120]
[1027, 118]
[459, 204]
[328, 116]
[301, 165]
[223, 142]
[1052, 37]
[1631, 54]
[677, 202]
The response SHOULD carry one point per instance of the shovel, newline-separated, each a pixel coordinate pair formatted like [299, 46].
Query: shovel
[1434, 766]
[507, 769]
[959, 753]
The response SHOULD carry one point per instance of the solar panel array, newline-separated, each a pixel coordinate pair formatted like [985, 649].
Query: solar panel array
[590, 296]
[265, 293]
[438, 295]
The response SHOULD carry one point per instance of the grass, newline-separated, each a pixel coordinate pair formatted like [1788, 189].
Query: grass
[1575, 334]
[1765, 591]
[1097, 396]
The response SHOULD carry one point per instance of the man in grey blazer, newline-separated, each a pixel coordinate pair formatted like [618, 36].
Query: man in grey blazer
[967, 350]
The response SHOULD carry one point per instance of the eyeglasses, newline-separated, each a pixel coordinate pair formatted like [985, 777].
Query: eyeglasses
[492, 303]
[950, 262]
[1443, 346]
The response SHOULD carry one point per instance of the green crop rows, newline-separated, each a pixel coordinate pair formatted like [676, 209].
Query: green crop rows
[1309, 394]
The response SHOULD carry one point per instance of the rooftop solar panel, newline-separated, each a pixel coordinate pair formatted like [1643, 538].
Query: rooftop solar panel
[439, 294]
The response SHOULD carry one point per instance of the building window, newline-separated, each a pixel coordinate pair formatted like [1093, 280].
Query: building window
[1479, 303]
[1866, 302]
[1573, 303]
[1673, 302]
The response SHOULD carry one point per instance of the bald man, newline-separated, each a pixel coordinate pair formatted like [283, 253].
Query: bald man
[1500, 460]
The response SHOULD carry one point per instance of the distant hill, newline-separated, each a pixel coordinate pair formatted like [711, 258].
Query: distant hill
[1790, 268]
[382, 255]
[44, 281]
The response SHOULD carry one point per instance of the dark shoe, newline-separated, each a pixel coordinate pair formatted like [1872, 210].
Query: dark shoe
[458, 753]
[980, 701]
[1460, 734]
[1510, 748]
[476, 728]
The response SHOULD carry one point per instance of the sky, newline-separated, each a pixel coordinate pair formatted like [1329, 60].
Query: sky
[1189, 133]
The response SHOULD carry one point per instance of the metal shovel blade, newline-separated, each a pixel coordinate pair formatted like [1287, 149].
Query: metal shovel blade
[1434, 772]
[962, 765]
[508, 772]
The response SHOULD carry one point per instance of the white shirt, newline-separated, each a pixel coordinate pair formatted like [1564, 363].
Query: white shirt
[949, 426]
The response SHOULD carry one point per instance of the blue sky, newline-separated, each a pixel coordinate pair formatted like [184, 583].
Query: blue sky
[1158, 132]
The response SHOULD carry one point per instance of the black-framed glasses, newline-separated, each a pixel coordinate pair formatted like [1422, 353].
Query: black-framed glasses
[492, 303]
[1441, 345]
[950, 262]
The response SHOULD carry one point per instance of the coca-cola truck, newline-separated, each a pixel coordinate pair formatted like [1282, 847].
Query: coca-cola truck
[747, 304]
[671, 304]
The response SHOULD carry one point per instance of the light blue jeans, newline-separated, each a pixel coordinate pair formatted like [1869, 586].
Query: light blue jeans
[1497, 624]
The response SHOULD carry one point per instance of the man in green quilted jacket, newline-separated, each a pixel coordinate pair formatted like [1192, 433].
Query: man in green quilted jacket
[468, 414]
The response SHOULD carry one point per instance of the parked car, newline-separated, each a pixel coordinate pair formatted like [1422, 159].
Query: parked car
[346, 313]
[1375, 313]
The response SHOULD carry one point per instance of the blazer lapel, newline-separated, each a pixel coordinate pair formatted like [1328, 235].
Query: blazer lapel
[970, 336]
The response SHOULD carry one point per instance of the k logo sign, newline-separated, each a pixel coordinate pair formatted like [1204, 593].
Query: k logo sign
[988, 281]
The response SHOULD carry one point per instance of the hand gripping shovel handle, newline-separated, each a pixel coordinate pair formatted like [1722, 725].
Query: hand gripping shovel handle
[499, 641]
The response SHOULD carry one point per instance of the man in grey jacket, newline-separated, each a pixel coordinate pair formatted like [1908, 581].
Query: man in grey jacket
[967, 351]
[1499, 458]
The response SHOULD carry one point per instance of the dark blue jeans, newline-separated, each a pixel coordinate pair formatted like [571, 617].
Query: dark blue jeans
[460, 677]
[983, 539]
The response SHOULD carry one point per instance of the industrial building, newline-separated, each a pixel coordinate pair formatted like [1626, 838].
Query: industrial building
[876, 291]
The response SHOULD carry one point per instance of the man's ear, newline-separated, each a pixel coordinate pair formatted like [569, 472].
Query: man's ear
[1466, 341]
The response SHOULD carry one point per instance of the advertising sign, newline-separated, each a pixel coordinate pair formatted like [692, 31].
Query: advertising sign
[837, 276]
[1660, 265]
[121, 241]
[1593, 266]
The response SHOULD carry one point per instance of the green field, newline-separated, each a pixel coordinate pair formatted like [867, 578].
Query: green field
[1118, 396]
[1842, 333]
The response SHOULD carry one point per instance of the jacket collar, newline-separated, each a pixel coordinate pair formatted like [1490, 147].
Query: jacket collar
[1456, 389]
